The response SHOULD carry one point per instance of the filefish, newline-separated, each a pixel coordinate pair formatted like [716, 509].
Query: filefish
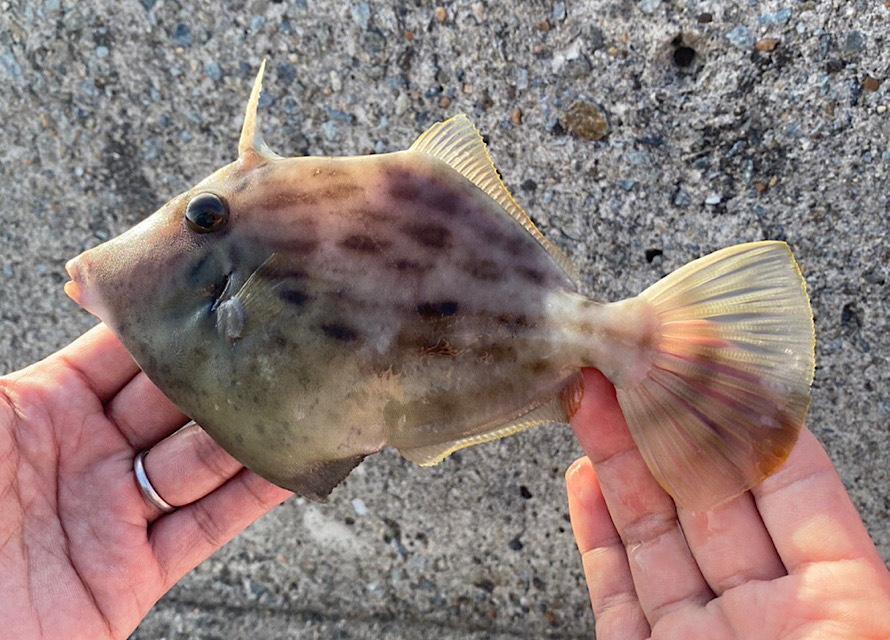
[308, 312]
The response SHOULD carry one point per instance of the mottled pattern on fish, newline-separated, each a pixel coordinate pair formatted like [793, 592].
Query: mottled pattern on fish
[323, 308]
[396, 283]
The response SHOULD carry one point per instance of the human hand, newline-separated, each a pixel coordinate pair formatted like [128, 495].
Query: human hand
[789, 559]
[82, 553]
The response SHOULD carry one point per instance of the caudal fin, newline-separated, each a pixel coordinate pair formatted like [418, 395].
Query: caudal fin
[728, 389]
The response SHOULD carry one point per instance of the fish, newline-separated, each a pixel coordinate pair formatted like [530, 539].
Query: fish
[308, 312]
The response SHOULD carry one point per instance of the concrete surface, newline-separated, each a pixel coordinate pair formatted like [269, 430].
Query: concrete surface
[109, 108]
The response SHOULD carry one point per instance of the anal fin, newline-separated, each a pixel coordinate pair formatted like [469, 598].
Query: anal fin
[554, 411]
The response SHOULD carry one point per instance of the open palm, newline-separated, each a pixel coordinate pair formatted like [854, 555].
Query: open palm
[788, 560]
[83, 555]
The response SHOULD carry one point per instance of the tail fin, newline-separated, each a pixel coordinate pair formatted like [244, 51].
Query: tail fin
[728, 389]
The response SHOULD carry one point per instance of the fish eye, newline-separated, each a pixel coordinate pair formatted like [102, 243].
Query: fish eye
[207, 212]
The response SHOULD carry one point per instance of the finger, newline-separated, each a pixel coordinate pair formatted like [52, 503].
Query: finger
[730, 544]
[187, 466]
[612, 595]
[665, 573]
[184, 539]
[143, 414]
[100, 359]
[807, 510]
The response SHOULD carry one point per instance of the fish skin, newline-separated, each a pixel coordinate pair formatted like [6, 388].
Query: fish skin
[355, 303]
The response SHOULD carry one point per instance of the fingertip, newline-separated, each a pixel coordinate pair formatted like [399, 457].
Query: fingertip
[599, 424]
[582, 484]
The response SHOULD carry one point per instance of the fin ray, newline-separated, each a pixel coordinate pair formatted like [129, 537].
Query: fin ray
[458, 143]
[728, 388]
[554, 411]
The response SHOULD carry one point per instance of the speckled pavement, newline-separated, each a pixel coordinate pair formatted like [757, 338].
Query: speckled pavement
[639, 135]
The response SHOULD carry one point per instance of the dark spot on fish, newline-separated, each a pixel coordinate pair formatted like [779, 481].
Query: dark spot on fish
[428, 234]
[516, 244]
[259, 427]
[531, 275]
[364, 244]
[431, 310]
[518, 321]
[294, 297]
[403, 186]
[537, 367]
[300, 245]
[483, 270]
[446, 405]
[278, 340]
[440, 198]
[339, 332]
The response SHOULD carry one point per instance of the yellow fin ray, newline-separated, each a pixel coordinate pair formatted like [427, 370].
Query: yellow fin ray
[552, 411]
[727, 391]
[457, 143]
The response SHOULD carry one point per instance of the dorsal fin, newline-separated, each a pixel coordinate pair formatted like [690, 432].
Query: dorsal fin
[251, 140]
[457, 143]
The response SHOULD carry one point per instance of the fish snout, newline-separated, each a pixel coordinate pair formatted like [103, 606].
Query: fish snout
[79, 288]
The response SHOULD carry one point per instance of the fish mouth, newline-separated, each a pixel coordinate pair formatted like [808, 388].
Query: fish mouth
[79, 289]
[73, 288]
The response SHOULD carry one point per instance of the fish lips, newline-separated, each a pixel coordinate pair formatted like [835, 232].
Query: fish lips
[79, 288]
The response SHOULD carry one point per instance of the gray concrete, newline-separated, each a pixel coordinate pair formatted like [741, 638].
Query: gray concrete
[107, 109]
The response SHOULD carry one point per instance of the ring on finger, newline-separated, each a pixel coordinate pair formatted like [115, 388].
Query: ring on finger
[150, 494]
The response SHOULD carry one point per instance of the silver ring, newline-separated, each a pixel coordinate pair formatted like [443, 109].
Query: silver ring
[148, 491]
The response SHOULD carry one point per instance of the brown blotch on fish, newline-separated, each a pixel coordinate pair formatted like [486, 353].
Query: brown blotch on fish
[484, 269]
[531, 275]
[537, 367]
[364, 244]
[441, 199]
[434, 310]
[429, 234]
[297, 246]
[513, 320]
[294, 297]
[403, 185]
[339, 332]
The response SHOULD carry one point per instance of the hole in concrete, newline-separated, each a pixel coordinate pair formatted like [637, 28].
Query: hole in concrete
[684, 56]
[651, 254]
